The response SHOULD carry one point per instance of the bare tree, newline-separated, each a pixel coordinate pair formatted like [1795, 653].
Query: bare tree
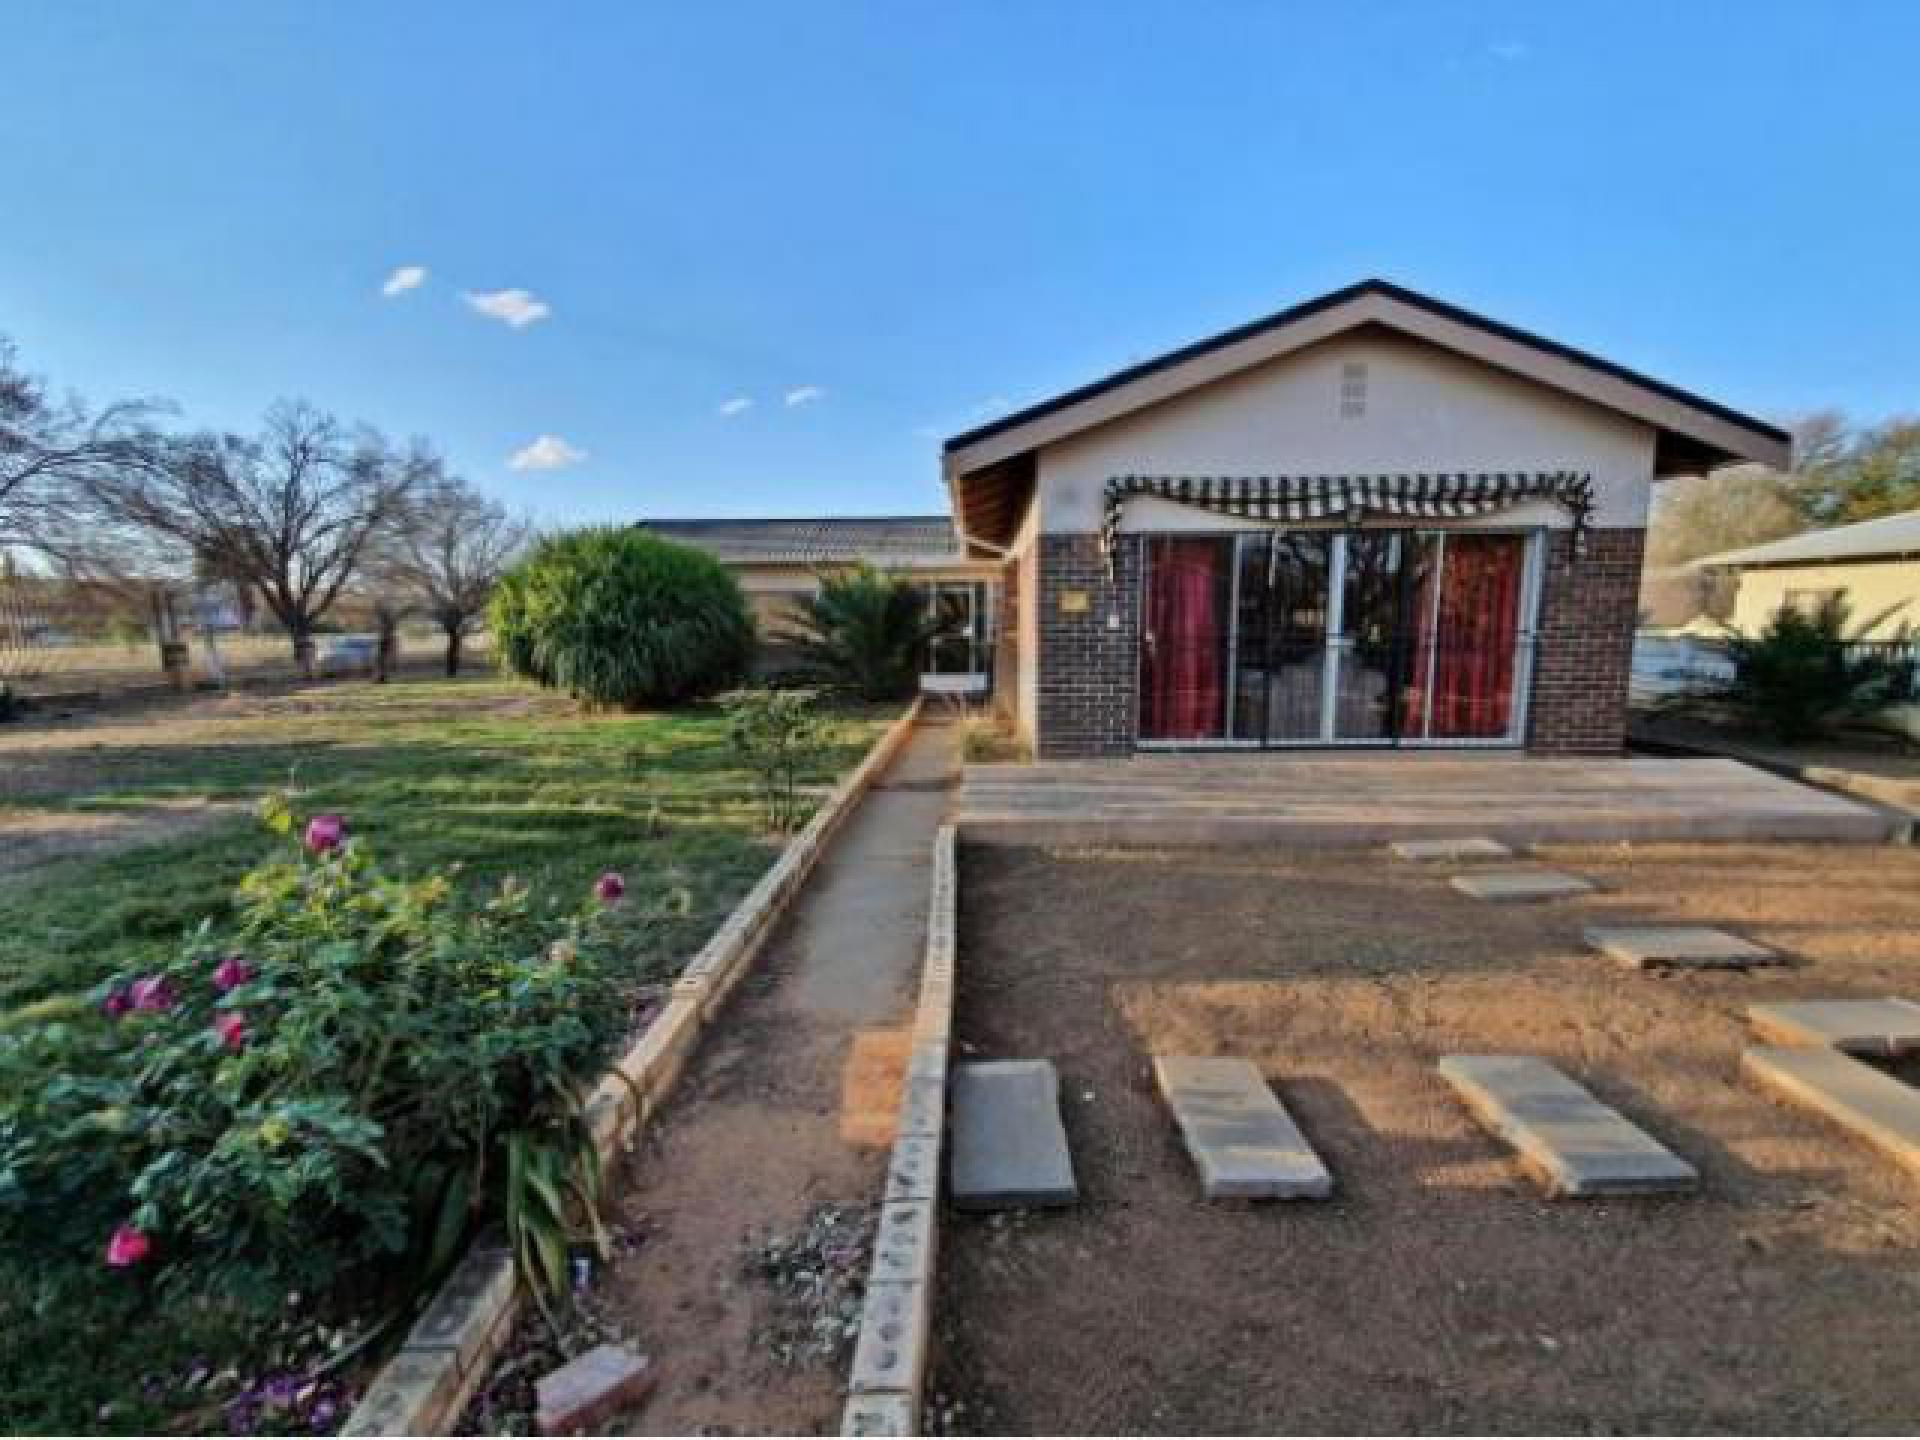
[290, 512]
[53, 453]
[452, 549]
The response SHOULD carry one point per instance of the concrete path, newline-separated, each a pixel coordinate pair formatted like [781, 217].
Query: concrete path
[1519, 886]
[1573, 1143]
[1243, 1141]
[787, 1105]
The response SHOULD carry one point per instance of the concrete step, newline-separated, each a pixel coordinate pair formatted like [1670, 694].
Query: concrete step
[1693, 947]
[1520, 885]
[1859, 1027]
[1571, 1142]
[1460, 847]
[1851, 1093]
[1242, 1140]
[1009, 1147]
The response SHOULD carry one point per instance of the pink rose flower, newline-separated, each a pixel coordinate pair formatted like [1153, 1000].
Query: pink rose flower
[325, 834]
[117, 1003]
[232, 971]
[609, 888]
[127, 1246]
[231, 1027]
[152, 992]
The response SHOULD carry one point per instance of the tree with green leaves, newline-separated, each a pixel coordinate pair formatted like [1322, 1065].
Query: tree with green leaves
[864, 631]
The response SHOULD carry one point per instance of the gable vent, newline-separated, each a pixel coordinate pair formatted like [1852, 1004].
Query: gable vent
[1353, 389]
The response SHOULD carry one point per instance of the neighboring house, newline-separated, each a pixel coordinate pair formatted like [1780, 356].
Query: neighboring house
[1370, 520]
[1874, 566]
[779, 562]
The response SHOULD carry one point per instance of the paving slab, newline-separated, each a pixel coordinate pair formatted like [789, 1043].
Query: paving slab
[1453, 847]
[1886, 1028]
[1515, 885]
[1576, 1145]
[1699, 947]
[1009, 1147]
[1849, 1092]
[1241, 1137]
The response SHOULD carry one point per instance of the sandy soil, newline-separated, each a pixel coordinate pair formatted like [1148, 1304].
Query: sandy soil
[1438, 1292]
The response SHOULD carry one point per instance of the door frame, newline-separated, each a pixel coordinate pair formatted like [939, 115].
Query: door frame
[1336, 643]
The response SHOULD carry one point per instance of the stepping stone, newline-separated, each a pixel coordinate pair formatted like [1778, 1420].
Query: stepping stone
[1009, 1147]
[1511, 885]
[1452, 847]
[1849, 1092]
[1692, 946]
[1886, 1028]
[1574, 1144]
[1241, 1138]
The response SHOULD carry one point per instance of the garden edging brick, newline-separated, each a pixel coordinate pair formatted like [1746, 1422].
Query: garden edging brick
[888, 1380]
[425, 1386]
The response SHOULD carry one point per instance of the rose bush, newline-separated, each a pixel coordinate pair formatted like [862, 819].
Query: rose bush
[339, 1083]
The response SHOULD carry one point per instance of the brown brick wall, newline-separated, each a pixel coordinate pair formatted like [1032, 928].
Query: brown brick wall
[1088, 673]
[1087, 669]
[1587, 612]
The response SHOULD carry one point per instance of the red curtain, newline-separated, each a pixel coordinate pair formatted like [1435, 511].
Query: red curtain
[1475, 635]
[1184, 656]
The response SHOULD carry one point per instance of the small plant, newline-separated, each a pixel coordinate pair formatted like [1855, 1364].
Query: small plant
[1805, 671]
[779, 734]
[863, 631]
[986, 739]
[618, 617]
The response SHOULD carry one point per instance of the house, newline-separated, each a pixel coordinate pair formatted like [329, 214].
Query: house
[779, 562]
[1371, 520]
[1873, 566]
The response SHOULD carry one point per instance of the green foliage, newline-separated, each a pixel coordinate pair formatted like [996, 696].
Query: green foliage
[781, 737]
[1804, 671]
[615, 616]
[329, 1087]
[863, 631]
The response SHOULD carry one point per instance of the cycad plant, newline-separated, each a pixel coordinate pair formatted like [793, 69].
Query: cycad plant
[1806, 670]
[864, 631]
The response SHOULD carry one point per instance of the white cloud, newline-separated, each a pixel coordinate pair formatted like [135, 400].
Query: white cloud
[738, 405]
[549, 452]
[517, 308]
[407, 277]
[804, 395]
[1509, 50]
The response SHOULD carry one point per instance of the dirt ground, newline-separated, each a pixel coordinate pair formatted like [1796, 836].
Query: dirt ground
[1438, 1291]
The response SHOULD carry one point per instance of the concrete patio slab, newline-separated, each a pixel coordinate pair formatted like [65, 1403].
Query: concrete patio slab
[1698, 947]
[1849, 1092]
[1009, 1147]
[1573, 1143]
[1322, 800]
[1242, 1140]
[1860, 1027]
[1520, 885]
[1457, 847]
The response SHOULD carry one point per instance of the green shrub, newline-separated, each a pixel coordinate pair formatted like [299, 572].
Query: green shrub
[618, 617]
[864, 631]
[779, 735]
[1803, 672]
[336, 1087]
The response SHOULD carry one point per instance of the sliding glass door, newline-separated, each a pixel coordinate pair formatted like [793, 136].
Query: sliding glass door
[1357, 638]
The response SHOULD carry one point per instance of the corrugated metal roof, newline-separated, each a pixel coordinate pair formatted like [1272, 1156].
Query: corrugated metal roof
[886, 540]
[1889, 535]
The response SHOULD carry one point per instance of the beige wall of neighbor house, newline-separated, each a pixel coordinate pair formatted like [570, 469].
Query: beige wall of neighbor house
[1424, 410]
[1869, 588]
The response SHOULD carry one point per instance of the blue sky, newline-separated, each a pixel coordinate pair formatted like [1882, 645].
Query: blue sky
[923, 213]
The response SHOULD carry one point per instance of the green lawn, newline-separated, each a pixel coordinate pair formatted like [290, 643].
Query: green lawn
[490, 776]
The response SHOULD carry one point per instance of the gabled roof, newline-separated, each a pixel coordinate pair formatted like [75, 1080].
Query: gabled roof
[1695, 433]
[883, 540]
[1888, 537]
